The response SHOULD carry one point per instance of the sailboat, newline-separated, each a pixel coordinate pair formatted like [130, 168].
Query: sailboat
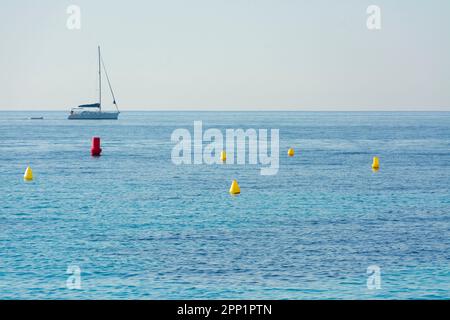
[94, 111]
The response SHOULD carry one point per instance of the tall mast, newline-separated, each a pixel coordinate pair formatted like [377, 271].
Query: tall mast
[99, 78]
[109, 84]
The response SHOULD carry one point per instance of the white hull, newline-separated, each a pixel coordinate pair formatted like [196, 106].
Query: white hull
[94, 115]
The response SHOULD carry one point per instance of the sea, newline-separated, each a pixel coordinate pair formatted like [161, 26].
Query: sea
[132, 224]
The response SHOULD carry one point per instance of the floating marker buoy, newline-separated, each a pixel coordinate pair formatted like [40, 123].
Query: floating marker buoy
[223, 156]
[235, 188]
[96, 150]
[376, 163]
[291, 152]
[28, 174]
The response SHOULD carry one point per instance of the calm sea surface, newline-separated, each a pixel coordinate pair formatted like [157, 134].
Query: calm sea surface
[140, 227]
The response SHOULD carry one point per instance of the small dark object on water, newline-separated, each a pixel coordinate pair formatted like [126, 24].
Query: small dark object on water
[36, 118]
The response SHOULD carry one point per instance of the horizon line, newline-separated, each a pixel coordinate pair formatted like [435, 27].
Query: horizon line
[246, 110]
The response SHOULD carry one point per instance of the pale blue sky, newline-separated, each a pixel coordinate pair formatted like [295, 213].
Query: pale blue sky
[228, 54]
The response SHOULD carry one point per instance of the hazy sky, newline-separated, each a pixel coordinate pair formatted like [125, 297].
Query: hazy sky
[227, 54]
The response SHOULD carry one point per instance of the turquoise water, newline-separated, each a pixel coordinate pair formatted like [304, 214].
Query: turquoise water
[140, 227]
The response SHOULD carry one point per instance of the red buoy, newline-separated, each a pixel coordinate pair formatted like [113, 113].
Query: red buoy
[96, 150]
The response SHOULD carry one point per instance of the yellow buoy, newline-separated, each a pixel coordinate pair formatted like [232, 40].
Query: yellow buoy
[376, 163]
[223, 156]
[235, 188]
[291, 152]
[28, 174]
